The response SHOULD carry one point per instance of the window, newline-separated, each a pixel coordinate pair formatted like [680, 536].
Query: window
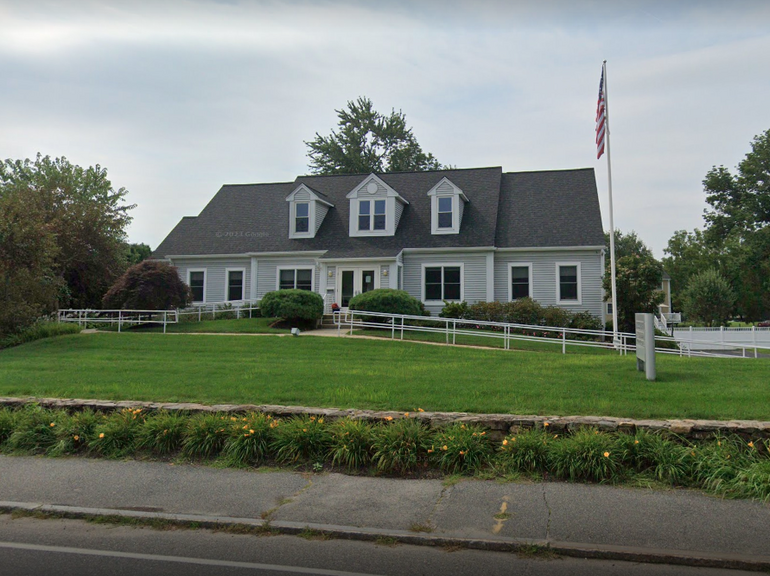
[443, 283]
[445, 212]
[291, 278]
[235, 284]
[302, 217]
[569, 285]
[197, 283]
[368, 219]
[520, 277]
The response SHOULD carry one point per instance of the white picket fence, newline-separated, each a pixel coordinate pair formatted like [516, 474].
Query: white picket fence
[722, 338]
[121, 318]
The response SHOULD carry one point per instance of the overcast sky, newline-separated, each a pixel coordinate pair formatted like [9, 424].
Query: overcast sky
[176, 98]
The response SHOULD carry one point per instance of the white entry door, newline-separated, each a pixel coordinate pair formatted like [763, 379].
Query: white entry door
[354, 281]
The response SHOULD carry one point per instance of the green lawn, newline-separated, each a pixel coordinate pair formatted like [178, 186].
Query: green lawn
[332, 372]
[241, 326]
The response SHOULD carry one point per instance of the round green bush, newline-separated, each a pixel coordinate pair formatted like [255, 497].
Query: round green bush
[292, 305]
[387, 301]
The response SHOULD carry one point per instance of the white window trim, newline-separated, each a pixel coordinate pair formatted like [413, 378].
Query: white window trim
[443, 265]
[371, 229]
[511, 265]
[278, 275]
[579, 300]
[293, 219]
[189, 270]
[455, 229]
[227, 284]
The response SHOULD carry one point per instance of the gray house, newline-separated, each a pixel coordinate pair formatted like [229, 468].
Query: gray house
[451, 235]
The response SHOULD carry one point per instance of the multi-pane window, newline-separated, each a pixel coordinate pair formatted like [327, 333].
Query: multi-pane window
[197, 283]
[300, 279]
[444, 212]
[519, 282]
[568, 282]
[371, 215]
[302, 217]
[443, 283]
[235, 285]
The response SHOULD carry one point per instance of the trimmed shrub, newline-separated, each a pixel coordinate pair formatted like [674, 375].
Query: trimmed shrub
[525, 311]
[461, 448]
[454, 310]
[292, 305]
[149, 285]
[387, 301]
[351, 443]
[401, 446]
[521, 311]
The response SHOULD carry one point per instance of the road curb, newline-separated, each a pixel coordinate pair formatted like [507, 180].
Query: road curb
[520, 545]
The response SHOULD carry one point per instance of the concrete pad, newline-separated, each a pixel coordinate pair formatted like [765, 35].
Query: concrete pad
[469, 508]
[674, 520]
[361, 501]
[151, 486]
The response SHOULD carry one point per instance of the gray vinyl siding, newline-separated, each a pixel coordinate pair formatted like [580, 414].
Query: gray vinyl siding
[474, 279]
[216, 274]
[399, 211]
[320, 214]
[544, 279]
[302, 196]
[267, 272]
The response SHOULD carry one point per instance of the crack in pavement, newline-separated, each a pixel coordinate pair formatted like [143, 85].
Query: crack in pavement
[444, 493]
[548, 508]
[268, 514]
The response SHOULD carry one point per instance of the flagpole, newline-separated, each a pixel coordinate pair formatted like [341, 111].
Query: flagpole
[612, 222]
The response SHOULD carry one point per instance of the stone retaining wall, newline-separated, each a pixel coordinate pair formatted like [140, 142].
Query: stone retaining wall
[498, 424]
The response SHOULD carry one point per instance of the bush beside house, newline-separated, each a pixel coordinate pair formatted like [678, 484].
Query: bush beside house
[388, 301]
[521, 311]
[149, 285]
[296, 306]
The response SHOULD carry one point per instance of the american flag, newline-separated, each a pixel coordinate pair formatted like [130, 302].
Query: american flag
[601, 118]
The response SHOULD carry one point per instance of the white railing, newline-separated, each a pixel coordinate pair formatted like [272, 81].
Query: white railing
[451, 328]
[660, 324]
[120, 317]
[241, 309]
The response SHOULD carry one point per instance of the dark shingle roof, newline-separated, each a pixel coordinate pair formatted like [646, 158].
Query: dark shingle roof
[549, 209]
[505, 210]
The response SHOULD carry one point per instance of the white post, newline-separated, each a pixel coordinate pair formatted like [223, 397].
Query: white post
[165, 320]
[754, 339]
[402, 327]
[612, 219]
[120, 317]
[454, 331]
[563, 340]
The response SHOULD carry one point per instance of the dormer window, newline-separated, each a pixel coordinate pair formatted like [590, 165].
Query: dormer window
[302, 217]
[445, 212]
[447, 203]
[375, 208]
[371, 217]
[307, 210]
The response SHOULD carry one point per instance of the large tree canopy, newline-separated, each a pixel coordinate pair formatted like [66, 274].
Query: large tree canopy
[368, 141]
[85, 215]
[638, 278]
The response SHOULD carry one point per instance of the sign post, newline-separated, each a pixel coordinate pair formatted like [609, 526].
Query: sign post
[645, 345]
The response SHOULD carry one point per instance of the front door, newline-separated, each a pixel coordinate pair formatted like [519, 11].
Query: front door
[354, 281]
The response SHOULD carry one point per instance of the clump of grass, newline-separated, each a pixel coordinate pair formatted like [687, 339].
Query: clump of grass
[400, 446]
[715, 464]
[666, 459]
[39, 331]
[461, 448]
[163, 433]
[249, 439]
[752, 482]
[301, 438]
[74, 433]
[115, 436]
[525, 451]
[585, 455]
[351, 443]
[206, 435]
[34, 430]
[7, 424]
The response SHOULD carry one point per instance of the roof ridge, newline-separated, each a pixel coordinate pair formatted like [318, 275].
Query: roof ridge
[400, 172]
[259, 184]
[553, 170]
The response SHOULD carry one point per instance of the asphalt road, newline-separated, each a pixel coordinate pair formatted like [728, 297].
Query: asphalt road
[30, 546]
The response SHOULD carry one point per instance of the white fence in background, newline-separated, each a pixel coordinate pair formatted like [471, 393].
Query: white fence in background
[241, 309]
[722, 338]
[451, 328]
